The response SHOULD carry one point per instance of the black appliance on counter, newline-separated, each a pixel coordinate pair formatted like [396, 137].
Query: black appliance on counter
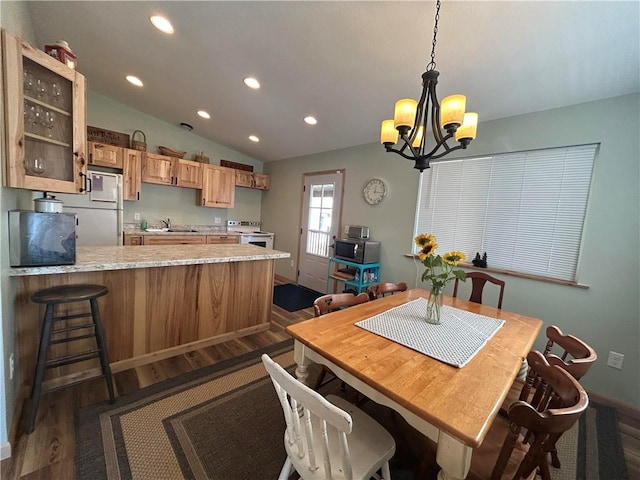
[41, 239]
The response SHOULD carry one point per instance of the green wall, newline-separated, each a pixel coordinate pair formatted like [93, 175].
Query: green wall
[606, 315]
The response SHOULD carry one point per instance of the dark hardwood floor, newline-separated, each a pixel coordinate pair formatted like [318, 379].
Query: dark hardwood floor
[49, 452]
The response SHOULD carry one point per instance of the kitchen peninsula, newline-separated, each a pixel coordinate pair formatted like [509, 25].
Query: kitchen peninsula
[163, 301]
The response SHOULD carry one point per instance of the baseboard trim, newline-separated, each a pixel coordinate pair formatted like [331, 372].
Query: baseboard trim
[282, 279]
[622, 408]
[5, 450]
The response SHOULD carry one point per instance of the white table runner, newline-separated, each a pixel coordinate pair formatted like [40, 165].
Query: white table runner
[455, 341]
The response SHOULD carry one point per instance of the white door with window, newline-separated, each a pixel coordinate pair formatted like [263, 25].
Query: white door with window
[320, 226]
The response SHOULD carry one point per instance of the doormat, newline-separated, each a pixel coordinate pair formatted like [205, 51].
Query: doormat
[294, 297]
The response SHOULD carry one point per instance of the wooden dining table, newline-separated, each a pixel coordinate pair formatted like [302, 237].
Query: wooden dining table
[454, 407]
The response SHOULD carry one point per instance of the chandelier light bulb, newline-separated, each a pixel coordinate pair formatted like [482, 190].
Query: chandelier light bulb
[388, 133]
[405, 113]
[467, 131]
[452, 110]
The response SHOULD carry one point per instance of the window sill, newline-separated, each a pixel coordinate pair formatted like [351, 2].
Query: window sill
[512, 273]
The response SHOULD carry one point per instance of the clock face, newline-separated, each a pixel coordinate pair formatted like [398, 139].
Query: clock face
[374, 191]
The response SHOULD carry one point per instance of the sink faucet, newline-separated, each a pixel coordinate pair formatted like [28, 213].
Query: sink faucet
[167, 223]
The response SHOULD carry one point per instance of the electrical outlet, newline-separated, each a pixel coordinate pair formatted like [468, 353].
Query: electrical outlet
[615, 360]
[136, 216]
[217, 220]
[11, 366]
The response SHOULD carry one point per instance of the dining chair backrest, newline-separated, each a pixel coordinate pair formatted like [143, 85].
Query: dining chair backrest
[478, 281]
[382, 289]
[319, 433]
[546, 412]
[336, 301]
[576, 356]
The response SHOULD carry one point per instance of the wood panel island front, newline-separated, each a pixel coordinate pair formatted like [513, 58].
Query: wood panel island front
[162, 301]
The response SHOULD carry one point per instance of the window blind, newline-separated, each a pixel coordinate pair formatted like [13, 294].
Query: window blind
[525, 209]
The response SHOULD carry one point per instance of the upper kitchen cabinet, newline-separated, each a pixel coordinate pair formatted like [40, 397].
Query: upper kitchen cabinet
[132, 173]
[105, 155]
[252, 180]
[171, 171]
[218, 187]
[45, 120]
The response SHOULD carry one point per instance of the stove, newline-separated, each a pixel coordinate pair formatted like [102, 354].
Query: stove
[250, 233]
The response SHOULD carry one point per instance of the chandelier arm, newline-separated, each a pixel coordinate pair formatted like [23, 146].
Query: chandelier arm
[441, 143]
[400, 152]
[435, 117]
[420, 111]
[449, 150]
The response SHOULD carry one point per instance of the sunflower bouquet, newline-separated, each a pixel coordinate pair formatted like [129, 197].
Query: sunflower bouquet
[439, 271]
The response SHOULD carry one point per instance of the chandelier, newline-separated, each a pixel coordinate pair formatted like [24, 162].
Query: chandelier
[411, 119]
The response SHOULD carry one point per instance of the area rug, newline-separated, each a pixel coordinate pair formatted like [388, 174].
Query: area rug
[224, 422]
[294, 297]
[592, 448]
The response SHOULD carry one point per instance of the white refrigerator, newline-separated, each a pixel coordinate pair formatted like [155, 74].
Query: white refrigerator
[99, 211]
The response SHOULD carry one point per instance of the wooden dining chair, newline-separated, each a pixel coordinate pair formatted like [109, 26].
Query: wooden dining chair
[569, 353]
[322, 433]
[381, 289]
[545, 413]
[337, 301]
[478, 281]
[331, 303]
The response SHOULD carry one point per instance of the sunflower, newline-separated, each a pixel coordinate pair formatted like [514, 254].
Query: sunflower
[427, 244]
[454, 257]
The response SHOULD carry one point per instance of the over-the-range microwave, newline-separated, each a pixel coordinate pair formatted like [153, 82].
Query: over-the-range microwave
[357, 250]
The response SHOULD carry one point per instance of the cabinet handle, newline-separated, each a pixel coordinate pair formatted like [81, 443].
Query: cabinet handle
[87, 183]
[91, 158]
[138, 193]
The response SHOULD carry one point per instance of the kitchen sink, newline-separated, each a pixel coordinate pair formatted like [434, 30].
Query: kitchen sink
[182, 230]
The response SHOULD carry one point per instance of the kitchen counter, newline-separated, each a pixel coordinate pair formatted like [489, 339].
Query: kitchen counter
[91, 259]
[162, 301]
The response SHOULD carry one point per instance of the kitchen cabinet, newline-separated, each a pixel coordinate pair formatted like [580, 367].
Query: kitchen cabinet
[105, 155]
[157, 169]
[131, 173]
[252, 180]
[133, 240]
[222, 239]
[174, 240]
[45, 120]
[165, 170]
[188, 173]
[218, 187]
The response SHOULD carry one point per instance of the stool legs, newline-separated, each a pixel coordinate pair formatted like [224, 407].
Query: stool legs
[40, 366]
[102, 346]
[45, 342]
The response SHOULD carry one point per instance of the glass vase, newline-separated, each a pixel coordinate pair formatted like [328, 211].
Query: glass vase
[434, 308]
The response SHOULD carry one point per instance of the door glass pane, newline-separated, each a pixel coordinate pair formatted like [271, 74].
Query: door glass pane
[320, 217]
[48, 123]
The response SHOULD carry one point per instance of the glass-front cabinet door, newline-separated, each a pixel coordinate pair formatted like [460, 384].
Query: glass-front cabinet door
[45, 119]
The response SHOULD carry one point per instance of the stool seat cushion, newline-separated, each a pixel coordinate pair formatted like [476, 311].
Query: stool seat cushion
[69, 293]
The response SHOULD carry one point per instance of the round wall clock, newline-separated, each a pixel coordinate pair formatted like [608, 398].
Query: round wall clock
[374, 191]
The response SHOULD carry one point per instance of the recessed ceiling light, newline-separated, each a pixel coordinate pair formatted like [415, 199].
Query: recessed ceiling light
[252, 83]
[204, 114]
[253, 138]
[162, 24]
[310, 120]
[134, 80]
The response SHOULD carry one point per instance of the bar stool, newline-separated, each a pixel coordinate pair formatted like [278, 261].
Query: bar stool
[69, 294]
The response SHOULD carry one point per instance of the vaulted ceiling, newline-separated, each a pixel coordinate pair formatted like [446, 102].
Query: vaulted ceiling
[345, 63]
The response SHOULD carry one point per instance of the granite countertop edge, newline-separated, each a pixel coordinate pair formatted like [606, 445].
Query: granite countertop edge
[94, 259]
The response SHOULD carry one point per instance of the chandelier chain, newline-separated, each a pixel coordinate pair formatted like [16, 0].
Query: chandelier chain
[432, 64]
